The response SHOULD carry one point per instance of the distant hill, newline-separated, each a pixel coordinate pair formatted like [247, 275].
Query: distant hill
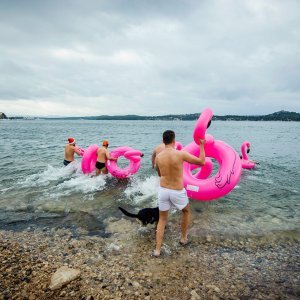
[3, 115]
[277, 116]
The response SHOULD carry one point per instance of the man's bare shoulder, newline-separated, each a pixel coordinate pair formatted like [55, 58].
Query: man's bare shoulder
[168, 152]
[159, 148]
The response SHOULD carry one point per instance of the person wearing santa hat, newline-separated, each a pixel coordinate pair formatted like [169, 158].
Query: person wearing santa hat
[70, 149]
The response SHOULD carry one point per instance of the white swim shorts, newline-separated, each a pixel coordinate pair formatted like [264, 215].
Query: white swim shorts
[168, 197]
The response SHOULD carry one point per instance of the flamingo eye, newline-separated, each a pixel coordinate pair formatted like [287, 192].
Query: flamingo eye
[208, 124]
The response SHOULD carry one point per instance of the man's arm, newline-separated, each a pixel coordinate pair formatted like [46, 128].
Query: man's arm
[157, 168]
[109, 157]
[153, 158]
[193, 159]
[77, 150]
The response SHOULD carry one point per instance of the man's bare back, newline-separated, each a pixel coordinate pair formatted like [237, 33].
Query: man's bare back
[70, 149]
[102, 155]
[169, 166]
[69, 152]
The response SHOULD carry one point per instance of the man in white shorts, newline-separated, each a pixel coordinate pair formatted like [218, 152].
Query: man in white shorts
[171, 192]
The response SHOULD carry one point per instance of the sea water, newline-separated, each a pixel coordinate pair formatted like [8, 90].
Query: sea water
[35, 187]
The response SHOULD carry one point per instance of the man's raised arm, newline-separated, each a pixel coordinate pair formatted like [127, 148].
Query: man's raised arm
[193, 159]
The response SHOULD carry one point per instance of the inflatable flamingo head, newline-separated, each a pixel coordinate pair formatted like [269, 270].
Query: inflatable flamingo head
[245, 148]
[202, 124]
[178, 145]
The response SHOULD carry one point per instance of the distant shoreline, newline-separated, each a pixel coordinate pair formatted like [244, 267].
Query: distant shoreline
[276, 116]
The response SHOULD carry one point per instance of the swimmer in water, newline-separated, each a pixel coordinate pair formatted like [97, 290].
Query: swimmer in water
[70, 149]
[102, 156]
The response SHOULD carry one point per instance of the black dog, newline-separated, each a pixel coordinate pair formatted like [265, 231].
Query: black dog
[145, 215]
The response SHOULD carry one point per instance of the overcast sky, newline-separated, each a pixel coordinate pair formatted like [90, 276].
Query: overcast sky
[92, 57]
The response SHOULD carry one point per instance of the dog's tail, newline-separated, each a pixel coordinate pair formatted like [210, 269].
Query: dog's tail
[128, 214]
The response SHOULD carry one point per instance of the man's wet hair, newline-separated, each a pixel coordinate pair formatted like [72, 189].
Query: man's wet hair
[168, 137]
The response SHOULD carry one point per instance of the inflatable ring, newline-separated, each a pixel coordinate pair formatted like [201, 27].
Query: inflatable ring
[218, 185]
[230, 164]
[246, 163]
[89, 158]
[134, 157]
[205, 170]
[178, 146]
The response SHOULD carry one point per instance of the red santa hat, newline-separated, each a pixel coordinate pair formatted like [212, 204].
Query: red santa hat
[71, 140]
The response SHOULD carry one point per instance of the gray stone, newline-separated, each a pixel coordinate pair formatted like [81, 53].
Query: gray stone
[63, 276]
[194, 295]
[135, 284]
[208, 238]
[214, 288]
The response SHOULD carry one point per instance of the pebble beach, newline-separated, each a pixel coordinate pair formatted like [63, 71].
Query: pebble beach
[120, 266]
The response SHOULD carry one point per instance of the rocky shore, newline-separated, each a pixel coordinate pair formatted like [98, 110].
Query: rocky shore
[121, 266]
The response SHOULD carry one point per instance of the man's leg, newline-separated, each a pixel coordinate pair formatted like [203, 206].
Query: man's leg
[104, 171]
[185, 223]
[97, 172]
[163, 218]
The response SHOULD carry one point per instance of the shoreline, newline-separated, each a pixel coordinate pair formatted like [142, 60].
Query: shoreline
[120, 266]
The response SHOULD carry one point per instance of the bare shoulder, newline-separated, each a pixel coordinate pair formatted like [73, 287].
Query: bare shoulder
[159, 148]
[183, 154]
[158, 155]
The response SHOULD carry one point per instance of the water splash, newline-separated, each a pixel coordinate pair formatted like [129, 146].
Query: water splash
[82, 184]
[49, 175]
[141, 190]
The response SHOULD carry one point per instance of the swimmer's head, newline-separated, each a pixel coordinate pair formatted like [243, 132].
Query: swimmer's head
[71, 141]
[105, 143]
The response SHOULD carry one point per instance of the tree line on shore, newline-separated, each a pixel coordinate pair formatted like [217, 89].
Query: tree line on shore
[277, 116]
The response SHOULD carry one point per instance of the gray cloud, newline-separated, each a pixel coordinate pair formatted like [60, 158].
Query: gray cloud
[149, 57]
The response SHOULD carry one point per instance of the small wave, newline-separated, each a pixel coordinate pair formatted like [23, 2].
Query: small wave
[5, 190]
[252, 177]
[49, 175]
[142, 189]
[84, 184]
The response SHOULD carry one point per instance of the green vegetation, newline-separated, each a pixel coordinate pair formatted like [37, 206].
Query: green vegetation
[277, 116]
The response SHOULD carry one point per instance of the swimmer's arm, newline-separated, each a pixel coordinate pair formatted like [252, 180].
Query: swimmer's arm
[77, 151]
[109, 157]
[153, 158]
[157, 168]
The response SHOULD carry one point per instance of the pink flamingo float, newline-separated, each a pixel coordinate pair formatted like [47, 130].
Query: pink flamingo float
[207, 188]
[246, 163]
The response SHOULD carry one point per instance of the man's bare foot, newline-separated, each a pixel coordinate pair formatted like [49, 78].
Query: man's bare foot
[156, 253]
[184, 242]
